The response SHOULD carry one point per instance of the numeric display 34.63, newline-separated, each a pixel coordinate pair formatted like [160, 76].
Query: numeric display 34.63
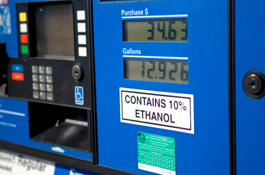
[163, 30]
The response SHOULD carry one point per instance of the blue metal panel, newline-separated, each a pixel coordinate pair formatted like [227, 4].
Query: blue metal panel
[205, 152]
[65, 170]
[14, 120]
[250, 55]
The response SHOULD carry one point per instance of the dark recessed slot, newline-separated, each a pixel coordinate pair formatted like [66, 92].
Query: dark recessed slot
[3, 69]
[61, 126]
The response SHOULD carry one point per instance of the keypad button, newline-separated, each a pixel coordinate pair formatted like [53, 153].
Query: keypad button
[35, 86]
[42, 95]
[17, 68]
[49, 87]
[24, 49]
[42, 87]
[23, 16]
[42, 78]
[41, 70]
[35, 77]
[82, 39]
[17, 76]
[24, 38]
[23, 28]
[50, 96]
[49, 70]
[82, 51]
[35, 69]
[81, 15]
[81, 27]
[49, 79]
[36, 95]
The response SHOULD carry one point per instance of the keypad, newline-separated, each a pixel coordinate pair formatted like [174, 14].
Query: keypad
[42, 80]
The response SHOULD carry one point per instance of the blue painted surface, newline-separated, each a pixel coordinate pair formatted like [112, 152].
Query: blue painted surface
[65, 170]
[250, 118]
[14, 120]
[207, 151]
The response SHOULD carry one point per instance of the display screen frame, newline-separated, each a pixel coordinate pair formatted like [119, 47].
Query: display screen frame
[157, 70]
[33, 30]
[155, 28]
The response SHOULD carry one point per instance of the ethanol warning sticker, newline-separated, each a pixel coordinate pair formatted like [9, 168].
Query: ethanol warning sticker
[163, 110]
[156, 154]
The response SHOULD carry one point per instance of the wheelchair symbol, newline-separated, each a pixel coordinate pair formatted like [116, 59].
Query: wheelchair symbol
[79, 96]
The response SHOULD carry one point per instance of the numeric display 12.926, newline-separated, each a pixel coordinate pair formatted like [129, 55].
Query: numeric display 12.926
[157, 70]
[164, 30]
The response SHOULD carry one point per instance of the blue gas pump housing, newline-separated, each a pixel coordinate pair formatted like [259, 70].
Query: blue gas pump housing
[134, 87]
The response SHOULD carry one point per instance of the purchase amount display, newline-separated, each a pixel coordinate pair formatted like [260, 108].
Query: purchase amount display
[157, 70]
[165, 30]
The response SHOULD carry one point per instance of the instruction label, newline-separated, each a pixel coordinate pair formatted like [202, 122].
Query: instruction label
[156, 154]
[163, 110]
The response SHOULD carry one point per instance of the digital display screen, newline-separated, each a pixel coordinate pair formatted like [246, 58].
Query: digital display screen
[170, 71]
[163, 30]
[54, 31]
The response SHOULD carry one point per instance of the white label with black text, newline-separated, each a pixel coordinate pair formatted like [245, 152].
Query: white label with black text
[171, 111]
[17, 164]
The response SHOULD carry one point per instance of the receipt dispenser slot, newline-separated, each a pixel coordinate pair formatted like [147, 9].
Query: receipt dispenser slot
[62, 126]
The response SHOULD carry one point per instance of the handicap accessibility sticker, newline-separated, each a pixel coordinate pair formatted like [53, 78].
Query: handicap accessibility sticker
[79, 95]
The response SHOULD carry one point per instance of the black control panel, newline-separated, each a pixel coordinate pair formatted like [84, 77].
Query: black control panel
[55, 60]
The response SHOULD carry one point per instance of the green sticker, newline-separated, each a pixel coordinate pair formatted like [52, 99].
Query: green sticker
[156, 151]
